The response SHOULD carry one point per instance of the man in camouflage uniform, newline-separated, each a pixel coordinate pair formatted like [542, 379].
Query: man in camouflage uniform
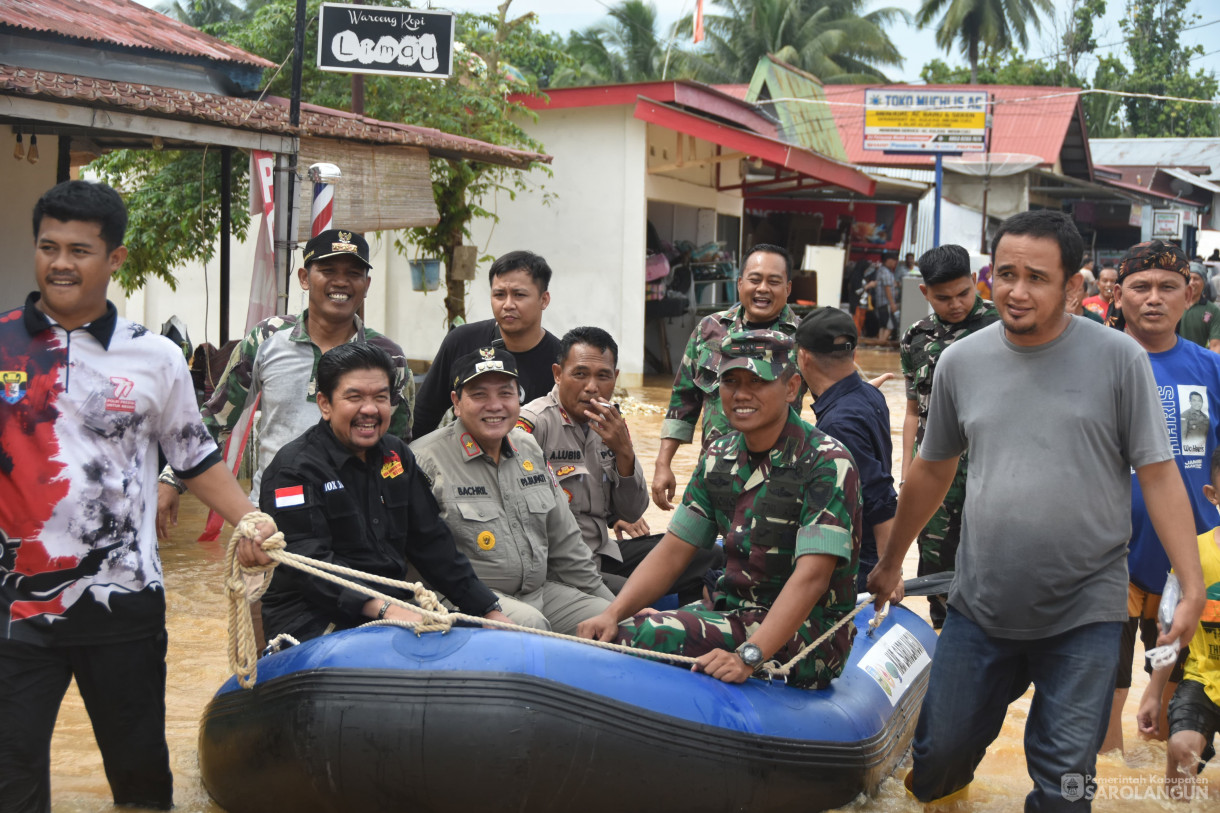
[763, 289]
[276, 365]
[786, 498]
[957, 311]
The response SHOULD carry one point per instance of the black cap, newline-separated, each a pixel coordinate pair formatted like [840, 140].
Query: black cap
[335, 243]
[820, 328]
[481, 361]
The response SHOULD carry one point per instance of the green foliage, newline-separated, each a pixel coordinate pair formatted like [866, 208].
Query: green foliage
[831, 39]
[1161, 66]
[981, 25]
[162, 188]
[625, 47]
[173, 204]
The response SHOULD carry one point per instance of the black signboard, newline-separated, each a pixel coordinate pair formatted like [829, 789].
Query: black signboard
[391, 41]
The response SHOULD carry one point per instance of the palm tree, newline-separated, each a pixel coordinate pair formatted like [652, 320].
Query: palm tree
[994, 24]
[829, 38]
[624, 48]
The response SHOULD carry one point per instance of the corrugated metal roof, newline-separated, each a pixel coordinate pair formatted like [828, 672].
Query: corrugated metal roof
[270, 115]
[1192, 179]
[122, 23]
[1024, 120]
[810, 125]
[1152, 152]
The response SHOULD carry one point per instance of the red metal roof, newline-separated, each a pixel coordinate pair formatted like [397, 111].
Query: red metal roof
[776, 152]
[1029, 120]
[695, 95]
[270, 115]
[123, 23]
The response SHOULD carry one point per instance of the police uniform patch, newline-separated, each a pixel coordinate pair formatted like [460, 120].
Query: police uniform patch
[564, 471]
[486, 540]
[468, 443]
[567, 494]
[392, 467]
[528, 465]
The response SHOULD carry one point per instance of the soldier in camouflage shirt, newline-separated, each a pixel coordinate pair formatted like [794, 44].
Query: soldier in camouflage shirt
[957, 311]
[763, 288]
[786, 498]
[277, 362]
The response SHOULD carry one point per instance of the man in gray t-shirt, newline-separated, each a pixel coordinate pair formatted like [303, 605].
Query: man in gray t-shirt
[1040, 592]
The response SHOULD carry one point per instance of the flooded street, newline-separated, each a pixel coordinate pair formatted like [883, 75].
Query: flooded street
[197, 667]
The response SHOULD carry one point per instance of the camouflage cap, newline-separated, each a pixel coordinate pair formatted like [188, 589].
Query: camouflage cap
[766, 353]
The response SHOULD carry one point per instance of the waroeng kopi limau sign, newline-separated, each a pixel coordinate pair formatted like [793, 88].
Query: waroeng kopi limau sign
[913, 120]
[391, 41]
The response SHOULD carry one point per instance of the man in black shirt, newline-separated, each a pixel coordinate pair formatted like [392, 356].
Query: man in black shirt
[519, 281]
[346, 493]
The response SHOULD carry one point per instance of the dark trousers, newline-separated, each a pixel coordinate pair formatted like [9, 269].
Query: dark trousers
[688, 586]
[974, 679]
[123, 686]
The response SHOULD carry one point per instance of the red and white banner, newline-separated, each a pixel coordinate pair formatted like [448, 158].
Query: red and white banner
[698, 21]
[263, 290]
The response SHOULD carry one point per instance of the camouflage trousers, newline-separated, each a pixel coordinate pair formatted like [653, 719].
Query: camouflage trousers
[696, 629]
[939, 539]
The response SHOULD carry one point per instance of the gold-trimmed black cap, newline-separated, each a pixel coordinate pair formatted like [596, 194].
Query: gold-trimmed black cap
[337, 243]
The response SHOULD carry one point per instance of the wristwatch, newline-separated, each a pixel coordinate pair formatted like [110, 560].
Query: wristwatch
[750, 654]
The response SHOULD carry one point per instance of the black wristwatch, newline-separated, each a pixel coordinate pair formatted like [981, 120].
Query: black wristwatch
[750, 654]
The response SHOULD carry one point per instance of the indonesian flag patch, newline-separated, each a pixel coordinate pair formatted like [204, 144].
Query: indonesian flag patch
[289, 496]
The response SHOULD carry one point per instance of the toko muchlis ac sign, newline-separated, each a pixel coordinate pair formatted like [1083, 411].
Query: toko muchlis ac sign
[391, 41]
[904, 119]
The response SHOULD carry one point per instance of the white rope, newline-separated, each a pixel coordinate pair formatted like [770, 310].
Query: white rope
[243, 655]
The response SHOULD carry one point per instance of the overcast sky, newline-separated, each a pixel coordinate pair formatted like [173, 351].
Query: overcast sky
[918, 46]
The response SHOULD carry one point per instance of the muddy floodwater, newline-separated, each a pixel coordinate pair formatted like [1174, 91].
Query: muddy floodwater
[198, 665]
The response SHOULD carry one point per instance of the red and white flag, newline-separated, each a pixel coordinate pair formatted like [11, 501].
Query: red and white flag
[289, 496]
[698, 21]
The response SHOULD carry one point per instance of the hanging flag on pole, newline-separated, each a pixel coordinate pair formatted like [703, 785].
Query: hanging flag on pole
[263, 290]
[698, 21]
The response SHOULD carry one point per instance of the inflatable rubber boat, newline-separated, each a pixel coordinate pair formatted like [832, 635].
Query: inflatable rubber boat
[474, 720]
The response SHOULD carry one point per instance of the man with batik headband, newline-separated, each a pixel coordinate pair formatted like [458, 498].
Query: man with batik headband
[1152, 291]
[786, 498]
[502, 503]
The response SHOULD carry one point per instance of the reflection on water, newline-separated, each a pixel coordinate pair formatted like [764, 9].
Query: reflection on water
[198, 665]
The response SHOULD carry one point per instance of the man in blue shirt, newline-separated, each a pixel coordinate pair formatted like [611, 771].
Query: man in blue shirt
[853, 412]
[1149, 298]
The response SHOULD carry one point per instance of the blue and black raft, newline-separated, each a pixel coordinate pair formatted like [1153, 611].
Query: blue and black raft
[482, 721]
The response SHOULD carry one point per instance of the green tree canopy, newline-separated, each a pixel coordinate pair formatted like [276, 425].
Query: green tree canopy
[625, 47]
[1161, 65]
[831, 39]
[1156, 64]
[981, 25]
[175, 222]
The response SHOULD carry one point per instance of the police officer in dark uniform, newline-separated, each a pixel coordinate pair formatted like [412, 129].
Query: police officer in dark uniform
[345, 492]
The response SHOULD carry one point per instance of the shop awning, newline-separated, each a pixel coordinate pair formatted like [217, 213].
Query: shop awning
[772, 151]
